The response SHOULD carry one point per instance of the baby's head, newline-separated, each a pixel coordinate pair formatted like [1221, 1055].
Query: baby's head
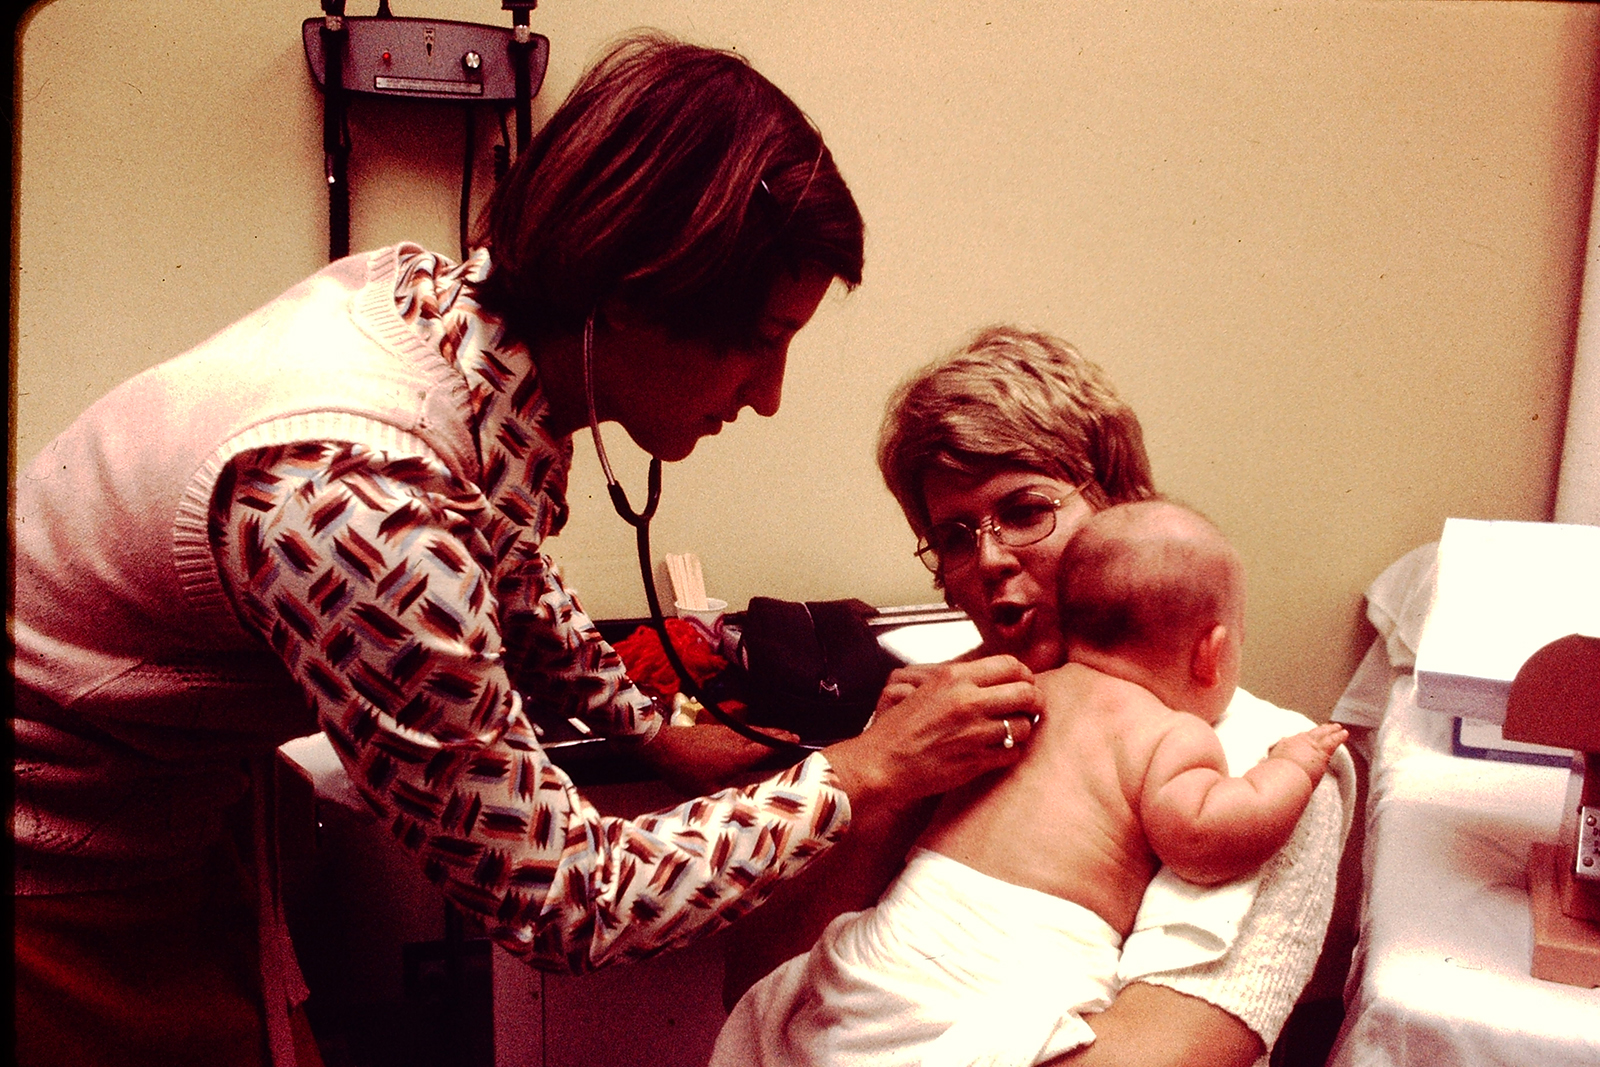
[1153, 593]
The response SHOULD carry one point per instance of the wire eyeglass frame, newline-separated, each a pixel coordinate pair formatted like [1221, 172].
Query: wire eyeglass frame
[1012, 535]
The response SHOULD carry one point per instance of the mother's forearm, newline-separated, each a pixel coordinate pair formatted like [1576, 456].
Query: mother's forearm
[1153, 1026]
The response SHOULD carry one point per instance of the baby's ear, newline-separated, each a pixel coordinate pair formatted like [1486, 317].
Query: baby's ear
[1205, 662]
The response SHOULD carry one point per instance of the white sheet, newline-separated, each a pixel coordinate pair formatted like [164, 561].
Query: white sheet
[1440, 974]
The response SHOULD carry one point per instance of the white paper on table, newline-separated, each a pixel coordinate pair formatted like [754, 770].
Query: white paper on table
[1505, 590]
[930, 642]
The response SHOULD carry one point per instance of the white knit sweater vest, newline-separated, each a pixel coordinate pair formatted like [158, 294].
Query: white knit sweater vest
[140, 691]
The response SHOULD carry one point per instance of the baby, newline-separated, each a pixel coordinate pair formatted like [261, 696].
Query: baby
[1007, 923]
[1116, 781]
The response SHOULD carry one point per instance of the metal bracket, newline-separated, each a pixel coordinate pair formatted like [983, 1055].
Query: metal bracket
[431, 59]
[1586, 864]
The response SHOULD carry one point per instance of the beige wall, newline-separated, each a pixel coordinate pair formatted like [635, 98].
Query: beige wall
[1330, 250]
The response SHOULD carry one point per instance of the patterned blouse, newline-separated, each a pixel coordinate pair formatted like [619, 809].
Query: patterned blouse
[430, 632]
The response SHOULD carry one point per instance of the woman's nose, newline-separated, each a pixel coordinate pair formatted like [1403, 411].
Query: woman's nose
[764, 390]
[992, 554]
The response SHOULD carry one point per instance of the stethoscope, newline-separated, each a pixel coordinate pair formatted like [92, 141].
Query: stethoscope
[640, 521]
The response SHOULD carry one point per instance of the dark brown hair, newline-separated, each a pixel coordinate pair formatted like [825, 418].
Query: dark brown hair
[675, 179]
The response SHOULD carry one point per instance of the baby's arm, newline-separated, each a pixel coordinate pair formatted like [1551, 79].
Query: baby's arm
[1210, 828]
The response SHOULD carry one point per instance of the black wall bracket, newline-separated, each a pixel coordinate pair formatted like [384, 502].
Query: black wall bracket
[428, 58]
[437, 59]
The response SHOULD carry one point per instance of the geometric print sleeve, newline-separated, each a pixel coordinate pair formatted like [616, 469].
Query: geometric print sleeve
[375, 579]
[559, 662]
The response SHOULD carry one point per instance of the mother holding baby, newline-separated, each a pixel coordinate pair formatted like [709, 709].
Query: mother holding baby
[998, 454]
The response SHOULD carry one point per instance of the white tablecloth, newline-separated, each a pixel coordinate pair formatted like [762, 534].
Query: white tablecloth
[1440, 974]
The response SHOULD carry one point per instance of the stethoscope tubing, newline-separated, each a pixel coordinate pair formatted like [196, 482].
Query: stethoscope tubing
[640, 521]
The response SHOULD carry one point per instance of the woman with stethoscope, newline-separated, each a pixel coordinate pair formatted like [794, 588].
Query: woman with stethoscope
[330, 515]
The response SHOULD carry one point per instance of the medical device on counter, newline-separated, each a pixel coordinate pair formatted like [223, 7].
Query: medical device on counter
[419, 59]
[1555, 699]
[1513, 637]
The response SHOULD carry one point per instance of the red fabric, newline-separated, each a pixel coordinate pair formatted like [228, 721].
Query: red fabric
[647, 661]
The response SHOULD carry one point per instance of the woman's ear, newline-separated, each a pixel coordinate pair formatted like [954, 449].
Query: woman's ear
[1205, 662]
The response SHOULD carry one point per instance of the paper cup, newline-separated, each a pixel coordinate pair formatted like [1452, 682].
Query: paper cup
[706, 618]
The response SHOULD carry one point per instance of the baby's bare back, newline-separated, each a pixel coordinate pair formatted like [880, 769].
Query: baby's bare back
[1063, 820]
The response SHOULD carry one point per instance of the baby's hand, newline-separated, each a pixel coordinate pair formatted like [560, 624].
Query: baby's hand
[1311, 750]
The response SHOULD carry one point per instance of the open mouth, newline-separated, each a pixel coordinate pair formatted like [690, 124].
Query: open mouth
[1009, 616]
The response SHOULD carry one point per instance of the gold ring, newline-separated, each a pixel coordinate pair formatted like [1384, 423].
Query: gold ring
[1009, 742]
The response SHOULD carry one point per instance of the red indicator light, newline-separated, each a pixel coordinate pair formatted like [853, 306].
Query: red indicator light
[386, 57]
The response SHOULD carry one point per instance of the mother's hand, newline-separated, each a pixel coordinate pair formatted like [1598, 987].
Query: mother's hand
[907, 680]
[938, 727]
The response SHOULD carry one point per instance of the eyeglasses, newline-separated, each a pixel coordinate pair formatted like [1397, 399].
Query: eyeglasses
[1021, 520]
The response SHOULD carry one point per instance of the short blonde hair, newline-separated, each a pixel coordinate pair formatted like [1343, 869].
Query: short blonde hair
[1013, 398]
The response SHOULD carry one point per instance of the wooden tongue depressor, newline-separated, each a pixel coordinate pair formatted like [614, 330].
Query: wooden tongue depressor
[688, 582]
